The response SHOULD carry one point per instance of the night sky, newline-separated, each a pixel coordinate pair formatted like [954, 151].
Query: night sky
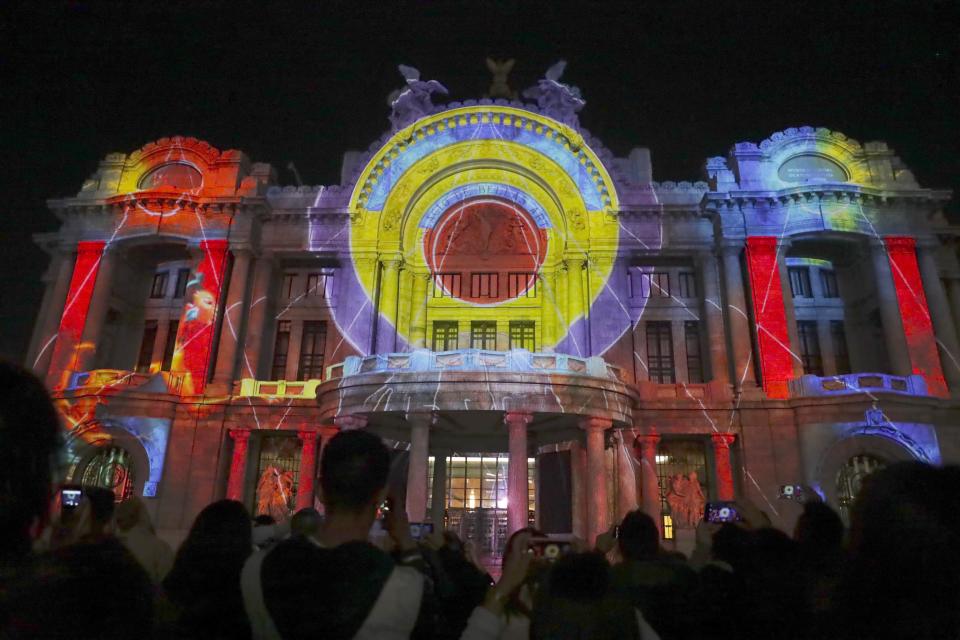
[306, 82]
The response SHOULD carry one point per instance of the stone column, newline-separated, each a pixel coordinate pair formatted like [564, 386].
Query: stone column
[648, 469]
[782, 247]
[737, 319]
[943, 325]
[576, 309]
[417, 465]
[713, 319]
[54, 300]
[721, 456]
[549, 313]
[828, 354]
[308, 468]
[257, 323]
[626, 475]
[97, 314]
[518, 493]
[438, 508]
[234, 313]
[418, 311]
[238, 463]
[889, 307]
[387, 304]
[597, 516]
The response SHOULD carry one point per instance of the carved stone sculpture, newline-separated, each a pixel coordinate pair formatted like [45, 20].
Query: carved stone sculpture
[413, 101]
[557, 100]
[498, 86]
[686, 500]
[275, 493]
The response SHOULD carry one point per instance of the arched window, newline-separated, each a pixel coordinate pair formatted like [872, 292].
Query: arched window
[176, 175]
[850, 479]
[111, 468]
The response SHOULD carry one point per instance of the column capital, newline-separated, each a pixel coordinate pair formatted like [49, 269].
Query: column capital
[239, 435]
[350, 421]
[595, 424]
[900, 244]
[517, 418]
[647, 440]
[307, 435]
[426, 418]
[722, 440]
[391, 263]
[731, 247]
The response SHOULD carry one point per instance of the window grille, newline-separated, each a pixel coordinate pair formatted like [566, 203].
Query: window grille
[170, 345]
[653, 284]
[145, 356]
[691, 336]
[687, 284]
[281, 345]
[800, 282]
[278, 475]
[445, 335]
[484, 285]
[318, 284]
[313, 344]
[446, 285]
[183, 277]
[522, 285]
[828, 280]
[676, 460]
[483, 334]
[523, 335]
[810, 347]
[660, 352]
[159, 287]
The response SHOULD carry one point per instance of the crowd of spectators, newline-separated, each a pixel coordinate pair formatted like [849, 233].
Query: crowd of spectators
[104, 573]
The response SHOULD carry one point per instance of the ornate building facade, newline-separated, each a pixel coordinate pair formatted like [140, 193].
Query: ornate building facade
[539, 330]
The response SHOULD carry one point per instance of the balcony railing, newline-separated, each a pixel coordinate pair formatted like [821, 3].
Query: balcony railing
[852, 383]
[300, 389]
[105, 379]
[515, 360]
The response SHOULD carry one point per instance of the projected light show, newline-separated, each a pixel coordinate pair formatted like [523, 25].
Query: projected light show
[491, 290]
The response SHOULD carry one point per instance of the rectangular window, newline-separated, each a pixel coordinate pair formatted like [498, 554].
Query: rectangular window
[445, 336]
[809, 347]
[484, 285]
[653, 285]
[287, 289]
[522, 285]
[660, 352]
[146, 346]
[828, 280]
[183, 277]
[483, 334]
[523, 335]
[687, 283]
[318, 284]
[841, 356]
[170, 345]
[800, 282]
[313, 344]
[159, 287]
[278, 370]
[446, 285]
[691, 336]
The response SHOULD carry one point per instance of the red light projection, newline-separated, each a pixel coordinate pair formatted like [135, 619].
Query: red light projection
[195, 335]
[74, 316]
[917, 327]
[485, 250]
[773, 341]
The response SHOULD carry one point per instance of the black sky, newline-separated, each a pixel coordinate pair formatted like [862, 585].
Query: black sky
[305, 82]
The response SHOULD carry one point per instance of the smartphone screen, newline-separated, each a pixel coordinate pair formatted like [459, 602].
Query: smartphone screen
[69, 499]
[721, 512]
[791, 492]
[549, 549]
[420, 530]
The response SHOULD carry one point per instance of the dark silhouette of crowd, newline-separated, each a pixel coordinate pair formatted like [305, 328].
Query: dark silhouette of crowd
[100, 571]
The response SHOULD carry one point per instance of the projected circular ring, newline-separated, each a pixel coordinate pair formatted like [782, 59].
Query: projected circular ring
[485, 251]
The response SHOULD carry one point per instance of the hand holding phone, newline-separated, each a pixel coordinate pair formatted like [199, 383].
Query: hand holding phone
[421, 530]
[549, 549]
[719, 512]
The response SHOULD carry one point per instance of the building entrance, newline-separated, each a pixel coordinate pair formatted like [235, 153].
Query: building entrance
[476, 500]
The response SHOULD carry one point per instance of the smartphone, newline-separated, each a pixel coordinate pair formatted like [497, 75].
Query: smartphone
[721, 512]
[550, 549]
[69, 499]
[384, 508]
[420, 530]
[616, 532]
[791, 492]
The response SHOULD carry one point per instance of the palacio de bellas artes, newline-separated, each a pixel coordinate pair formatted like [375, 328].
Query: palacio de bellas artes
[540, 330]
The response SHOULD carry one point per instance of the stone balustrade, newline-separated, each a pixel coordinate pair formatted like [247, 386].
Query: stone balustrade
[852, 383]
[102, 379]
